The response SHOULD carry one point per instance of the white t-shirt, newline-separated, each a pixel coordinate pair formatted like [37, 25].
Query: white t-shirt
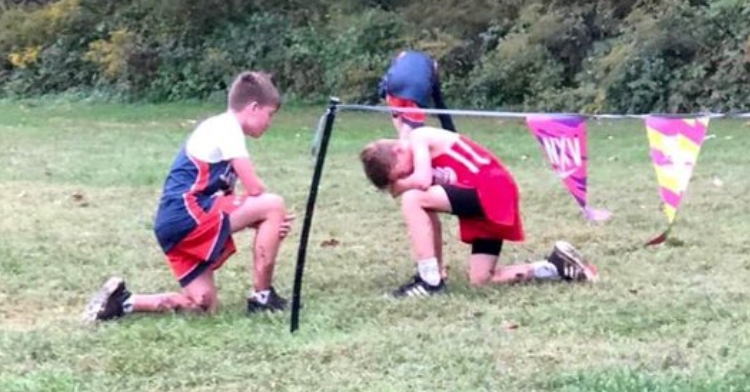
[216, 139]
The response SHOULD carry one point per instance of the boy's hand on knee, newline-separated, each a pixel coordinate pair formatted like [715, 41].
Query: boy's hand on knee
[286, 225]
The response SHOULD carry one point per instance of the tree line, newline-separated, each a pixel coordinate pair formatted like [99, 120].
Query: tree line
[627, 56]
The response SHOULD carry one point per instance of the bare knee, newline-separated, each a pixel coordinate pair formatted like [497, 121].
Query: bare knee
[481, 268]
[257, 210]
[412, 198]
[479, 278]
[204, 301]
[197, 297]
[273, 204]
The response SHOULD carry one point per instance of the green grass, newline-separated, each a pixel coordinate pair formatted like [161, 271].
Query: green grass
[80, 185]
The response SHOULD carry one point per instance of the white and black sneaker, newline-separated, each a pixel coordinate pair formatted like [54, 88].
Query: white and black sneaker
[108, 303]
[274, 303]
[570, 264]
[417, 287]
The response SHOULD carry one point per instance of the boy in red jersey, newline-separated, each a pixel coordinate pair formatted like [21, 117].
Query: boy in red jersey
[198, 212]
[437, 171]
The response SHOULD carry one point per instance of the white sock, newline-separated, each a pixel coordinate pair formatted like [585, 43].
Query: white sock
[127, 306]
[429, 271]
[261, 296]
[544, 270]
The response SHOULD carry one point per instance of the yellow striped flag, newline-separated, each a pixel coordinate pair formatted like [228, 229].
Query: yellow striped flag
[674, 147]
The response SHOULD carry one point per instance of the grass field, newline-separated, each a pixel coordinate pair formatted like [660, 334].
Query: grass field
[80, 185]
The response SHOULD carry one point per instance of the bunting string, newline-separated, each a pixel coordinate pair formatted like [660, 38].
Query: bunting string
[523, 115]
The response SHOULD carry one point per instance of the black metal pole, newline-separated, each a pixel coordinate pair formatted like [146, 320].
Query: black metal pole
[307, 223]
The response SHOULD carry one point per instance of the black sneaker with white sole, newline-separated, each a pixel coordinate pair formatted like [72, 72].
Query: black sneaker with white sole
[417, 287]
[570, 264]
[108, 303]
[274, 303]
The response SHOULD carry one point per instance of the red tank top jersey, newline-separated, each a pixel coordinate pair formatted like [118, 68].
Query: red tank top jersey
[467, 164]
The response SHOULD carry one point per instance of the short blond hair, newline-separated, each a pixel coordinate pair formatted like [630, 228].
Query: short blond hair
[253, 86]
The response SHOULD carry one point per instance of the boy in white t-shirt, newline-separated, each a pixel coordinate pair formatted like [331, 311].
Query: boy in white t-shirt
[198, 212]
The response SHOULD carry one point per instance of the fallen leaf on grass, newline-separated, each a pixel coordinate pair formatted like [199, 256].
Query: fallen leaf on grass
[329, 243]
[79, 199]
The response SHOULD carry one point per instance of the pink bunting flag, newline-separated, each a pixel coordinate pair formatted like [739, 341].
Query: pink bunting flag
[562, 139]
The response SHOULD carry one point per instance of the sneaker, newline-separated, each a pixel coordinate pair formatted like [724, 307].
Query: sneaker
[275, 303]
[108, 303]
[417, 287]
[570, 264]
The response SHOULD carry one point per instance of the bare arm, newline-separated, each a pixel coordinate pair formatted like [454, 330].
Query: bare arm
[398, 187]
[403, 129]
[247, 176]
[421, 177]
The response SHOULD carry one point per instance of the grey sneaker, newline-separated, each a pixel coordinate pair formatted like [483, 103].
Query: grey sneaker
[570, 264]
[108, 303]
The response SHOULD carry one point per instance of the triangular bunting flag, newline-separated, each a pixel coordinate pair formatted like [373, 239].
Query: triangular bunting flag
[674, 147]
[562, 139]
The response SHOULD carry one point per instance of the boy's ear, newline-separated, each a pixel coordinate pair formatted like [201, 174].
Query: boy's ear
[250, 107]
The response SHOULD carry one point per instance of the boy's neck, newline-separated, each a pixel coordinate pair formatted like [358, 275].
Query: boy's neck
[236, 118]
[235, 115]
